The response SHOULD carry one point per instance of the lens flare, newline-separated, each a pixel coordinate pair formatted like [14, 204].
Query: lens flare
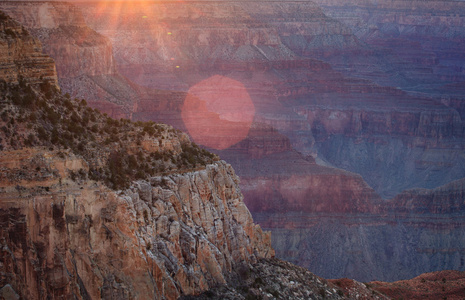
[218, 112]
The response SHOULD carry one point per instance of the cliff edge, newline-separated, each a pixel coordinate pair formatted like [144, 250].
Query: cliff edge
[92, 207]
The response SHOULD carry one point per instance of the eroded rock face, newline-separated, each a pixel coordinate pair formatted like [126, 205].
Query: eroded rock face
[84, 58]
[276, 279]
[418, 231]
[424, 39]
[171, 236]
[367, 125]
[316, 77]
[434, 285]
[21, 55]
[61, 28]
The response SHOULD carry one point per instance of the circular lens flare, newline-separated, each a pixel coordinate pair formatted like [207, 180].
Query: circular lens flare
[218, 112]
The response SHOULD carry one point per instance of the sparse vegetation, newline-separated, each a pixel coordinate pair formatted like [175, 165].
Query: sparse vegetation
[117, 151]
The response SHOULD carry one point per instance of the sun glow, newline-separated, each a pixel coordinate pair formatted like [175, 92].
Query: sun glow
[218, 112]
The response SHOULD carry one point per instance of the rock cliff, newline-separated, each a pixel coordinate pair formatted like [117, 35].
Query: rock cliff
[87, 216]
[336, 93]
[423, 39]
[161, 238]
[434, 285]
[76, 48]
[417, 231]
[21, 55]
[321, 85]
[84, 58]
[312, 76]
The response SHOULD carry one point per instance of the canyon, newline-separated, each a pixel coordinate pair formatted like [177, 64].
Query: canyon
[353, 105]
[76, 222]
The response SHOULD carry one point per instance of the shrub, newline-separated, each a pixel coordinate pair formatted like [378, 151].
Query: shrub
[4, 116]
[10, 32]
[30, 141]
[42, 134]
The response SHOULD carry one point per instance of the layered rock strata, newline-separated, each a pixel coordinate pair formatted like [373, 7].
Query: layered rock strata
[434, 285]
[64, 233]
[395, 140]
[422, 39]
[21, 55]
[409, 235]
[76, 48]
[84, 58]
[275, 279]
[276, 51]
[161, 238]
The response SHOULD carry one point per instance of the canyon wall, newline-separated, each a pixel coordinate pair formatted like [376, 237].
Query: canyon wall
[424, 38]
[84, 58]
[415, 233]
[324, 96]
[76, 48]
[297, 65]
[173, 235]
[22, 57]
[65, 235]
[337, 97]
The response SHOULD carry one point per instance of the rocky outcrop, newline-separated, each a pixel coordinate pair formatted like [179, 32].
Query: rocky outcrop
[276, 50]
[274, 184]
[65, 233]
[275, 279]
[76, 48]
[305, 28]
[447, 199]
[84, 58]
[422, 39]
[434, 285]
[262, 140]
[171, 236]
[362, 110]
[21, 55]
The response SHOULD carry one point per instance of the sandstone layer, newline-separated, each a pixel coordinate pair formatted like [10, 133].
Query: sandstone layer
[434, 285]
[347, 111]
[66, 234]
[171, 236]
[76, 48]
[332, 95]
[84, 58]
[21, 55]
[277, 52]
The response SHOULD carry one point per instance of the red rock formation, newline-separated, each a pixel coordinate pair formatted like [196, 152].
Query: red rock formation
[447, 199]
[84, 58]
[64, 235]
[262, 140]
[76, 48]
[21, 55]
[364, 124]
[423, 39]
[177, 235]
[435, 285]
[274, 178]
